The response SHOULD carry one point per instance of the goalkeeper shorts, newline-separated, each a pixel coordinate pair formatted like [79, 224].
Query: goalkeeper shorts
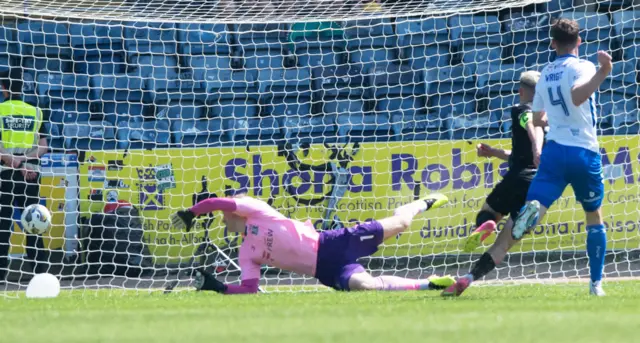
[339, 250]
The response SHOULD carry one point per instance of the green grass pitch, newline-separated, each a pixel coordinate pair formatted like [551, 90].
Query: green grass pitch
[510, 314]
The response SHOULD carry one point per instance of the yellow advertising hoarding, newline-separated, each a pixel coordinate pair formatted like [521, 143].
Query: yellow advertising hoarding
[381, 178]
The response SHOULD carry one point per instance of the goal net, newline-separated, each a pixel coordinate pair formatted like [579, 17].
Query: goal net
[333, 111]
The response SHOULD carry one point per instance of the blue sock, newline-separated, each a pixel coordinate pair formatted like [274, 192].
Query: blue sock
[596, 248]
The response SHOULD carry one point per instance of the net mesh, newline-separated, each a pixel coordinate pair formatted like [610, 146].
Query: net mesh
[333, 112]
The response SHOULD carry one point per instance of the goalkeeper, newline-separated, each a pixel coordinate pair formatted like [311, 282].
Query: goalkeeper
[508, 197]
[330, 256]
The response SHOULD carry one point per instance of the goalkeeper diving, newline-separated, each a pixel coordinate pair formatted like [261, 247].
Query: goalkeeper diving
[330, 256]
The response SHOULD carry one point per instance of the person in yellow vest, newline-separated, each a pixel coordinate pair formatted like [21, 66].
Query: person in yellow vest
[22, 142]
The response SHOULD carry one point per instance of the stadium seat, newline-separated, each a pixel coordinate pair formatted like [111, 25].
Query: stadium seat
[67, 95]
[198, 133]
[202, 39]
[317, 44]
[451, 91]
[337, 86]
[485, 125]
[154, 67]
[90, 135]
[425, 42]
[231, 93]
[398, 90]
[418, 127]
[120, 96]
[285, 91]
[139, 134]
[358, 127]
[529, 38]
[370, 41]
[555, 6]
[254, 131]
[310, 129]
[265, 37]
[98, 47]
[341, 105]
[202, 66]
[477, 37]
[622, 79]
[627, 25]
[150, 38]
[596, 33]
[498, 86]
[44, 38]
[8, 44]
[47, 64]
[55, 139]
[181, 110]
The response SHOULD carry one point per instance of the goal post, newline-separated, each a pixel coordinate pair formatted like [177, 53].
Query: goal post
[336, 112]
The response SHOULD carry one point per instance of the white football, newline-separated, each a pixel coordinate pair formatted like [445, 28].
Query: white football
[36, 219]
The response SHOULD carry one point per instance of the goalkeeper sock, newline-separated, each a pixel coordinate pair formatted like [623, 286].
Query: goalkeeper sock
[396, 283]
[413, 208]
[596, 249]
[482, 267]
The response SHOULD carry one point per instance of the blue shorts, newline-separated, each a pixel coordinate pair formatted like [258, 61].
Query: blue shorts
[339, 250]
[561, 165]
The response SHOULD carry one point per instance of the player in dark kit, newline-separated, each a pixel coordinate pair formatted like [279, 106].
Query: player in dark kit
[508, 197]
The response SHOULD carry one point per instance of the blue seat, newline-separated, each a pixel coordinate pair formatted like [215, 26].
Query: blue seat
[486, 125]
[342, 105]
[398, 90]
[96, 37]
[479, 37]
[89, 135]
[265, 37]
[44, 38]
[198, 133]
[231, 93]
[622, 79]
[255, 131]
[202, 39]
[150, 38]
[344, 81]
[317, 44]
[627, 25]
[138, 134]
[357, 127]
[155, 67]
[202, 66]
[8, 45]
[310, 129]
[613, 107]
[499, 84]
[120, 96]
[451, 90]
[108, 63]
[430, 31]
[370, 41]
[181, 110]
[418, 127]
[555, 6]
[530, 42]
[55, 139]
[67, 95]
[260, 59]
[595, 35]
[285, 91]
[47, 64]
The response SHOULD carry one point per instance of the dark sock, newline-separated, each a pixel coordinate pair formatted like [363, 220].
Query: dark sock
[483, 266]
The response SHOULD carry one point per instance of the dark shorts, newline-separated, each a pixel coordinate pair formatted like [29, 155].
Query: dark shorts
[339, 250]
[510, 194]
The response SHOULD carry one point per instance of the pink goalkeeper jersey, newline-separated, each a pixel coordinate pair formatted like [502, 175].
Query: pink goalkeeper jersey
[270, 237]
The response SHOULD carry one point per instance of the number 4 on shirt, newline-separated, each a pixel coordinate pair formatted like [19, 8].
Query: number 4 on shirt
[559, 101]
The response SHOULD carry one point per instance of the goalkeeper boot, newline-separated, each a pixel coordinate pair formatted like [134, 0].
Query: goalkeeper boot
[479, 235]
[526, 220]
[435, 200]
[595, 288]
[457, 288]
[440, 282]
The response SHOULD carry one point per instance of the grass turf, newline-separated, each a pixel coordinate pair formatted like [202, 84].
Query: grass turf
[526, 313]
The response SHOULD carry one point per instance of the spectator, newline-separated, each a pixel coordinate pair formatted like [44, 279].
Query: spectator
[22, 142]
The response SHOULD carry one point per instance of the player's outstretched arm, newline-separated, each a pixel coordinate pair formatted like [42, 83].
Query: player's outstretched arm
[205, 281]
[588, 82]
[485, 150]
